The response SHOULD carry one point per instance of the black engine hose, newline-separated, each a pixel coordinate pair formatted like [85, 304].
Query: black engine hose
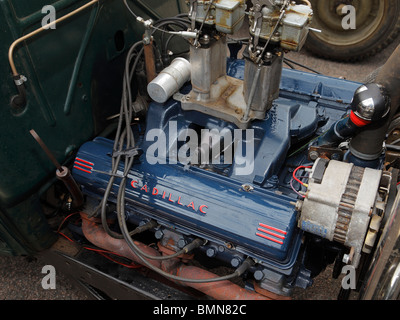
[367, 144]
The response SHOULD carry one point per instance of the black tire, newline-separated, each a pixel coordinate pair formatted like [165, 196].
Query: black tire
[378, 25]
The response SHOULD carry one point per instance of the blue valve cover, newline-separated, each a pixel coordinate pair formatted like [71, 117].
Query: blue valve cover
[257, 222]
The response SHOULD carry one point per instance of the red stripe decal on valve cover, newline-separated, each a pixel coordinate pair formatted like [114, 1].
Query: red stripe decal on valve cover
[83, 165]
[277, 236]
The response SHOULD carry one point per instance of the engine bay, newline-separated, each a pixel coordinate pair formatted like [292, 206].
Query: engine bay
[220, 157]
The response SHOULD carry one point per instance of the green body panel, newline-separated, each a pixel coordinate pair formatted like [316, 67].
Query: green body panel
[74, 82]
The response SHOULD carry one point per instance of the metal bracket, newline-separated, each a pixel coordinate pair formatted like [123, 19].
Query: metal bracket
[20, 80]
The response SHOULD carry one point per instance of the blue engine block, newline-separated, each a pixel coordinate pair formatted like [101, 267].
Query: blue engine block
[254, 213]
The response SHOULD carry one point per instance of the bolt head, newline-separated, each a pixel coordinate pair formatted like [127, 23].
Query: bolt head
[159, 234]
[259, 275]
[235, 262]
[313, 155]
[181, 243]
[211, 252]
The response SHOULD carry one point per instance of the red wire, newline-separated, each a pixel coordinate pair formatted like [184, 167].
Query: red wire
[99, 251]
[294, 174]
[65, 236]
[67, 217]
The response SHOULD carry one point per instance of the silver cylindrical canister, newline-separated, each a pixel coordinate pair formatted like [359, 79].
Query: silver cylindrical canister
[170, 80]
